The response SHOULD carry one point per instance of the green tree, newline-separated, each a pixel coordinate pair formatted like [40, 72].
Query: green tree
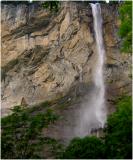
[88, 147]
[21, 136]
[118, 139]
[21, 133]
[125, 30]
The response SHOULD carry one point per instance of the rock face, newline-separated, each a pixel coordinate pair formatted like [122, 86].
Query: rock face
[45, 54]
[118, 65]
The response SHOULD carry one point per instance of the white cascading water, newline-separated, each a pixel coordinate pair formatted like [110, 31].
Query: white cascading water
[92, 114]
[98, 75]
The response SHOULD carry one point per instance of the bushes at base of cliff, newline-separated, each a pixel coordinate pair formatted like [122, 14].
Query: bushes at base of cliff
[81, 148]
[117, 143]
[21, 136]
[118, 138]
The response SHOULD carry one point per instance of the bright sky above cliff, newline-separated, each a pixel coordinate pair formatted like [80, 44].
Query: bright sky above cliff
[107, 1]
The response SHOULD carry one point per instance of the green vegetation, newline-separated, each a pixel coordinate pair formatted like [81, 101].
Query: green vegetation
[118, 138]
[51, 5]
[21, 133]
[125, 30]
[88, 147]
[117, 142]
[23, 136]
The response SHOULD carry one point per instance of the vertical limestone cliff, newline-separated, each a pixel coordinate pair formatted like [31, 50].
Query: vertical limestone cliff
[46, 55]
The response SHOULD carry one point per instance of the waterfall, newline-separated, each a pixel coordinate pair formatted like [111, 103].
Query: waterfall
[92, 114]
[98, 74]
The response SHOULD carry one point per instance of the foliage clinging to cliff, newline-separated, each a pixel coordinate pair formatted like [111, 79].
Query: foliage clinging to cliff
[125, 30]
[52, 5]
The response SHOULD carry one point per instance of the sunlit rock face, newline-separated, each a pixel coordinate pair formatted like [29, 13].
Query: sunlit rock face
[45, 55]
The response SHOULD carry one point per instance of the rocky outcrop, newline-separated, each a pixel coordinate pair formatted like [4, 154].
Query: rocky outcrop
[46, 54]
[118, 65]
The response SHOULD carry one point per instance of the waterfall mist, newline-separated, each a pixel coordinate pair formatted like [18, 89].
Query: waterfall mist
[92, 114]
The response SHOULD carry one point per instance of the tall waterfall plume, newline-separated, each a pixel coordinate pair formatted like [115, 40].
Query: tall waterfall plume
[98, 74]
[92, 114]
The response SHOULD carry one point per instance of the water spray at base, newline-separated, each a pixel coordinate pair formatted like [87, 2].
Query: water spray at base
[92, 114]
